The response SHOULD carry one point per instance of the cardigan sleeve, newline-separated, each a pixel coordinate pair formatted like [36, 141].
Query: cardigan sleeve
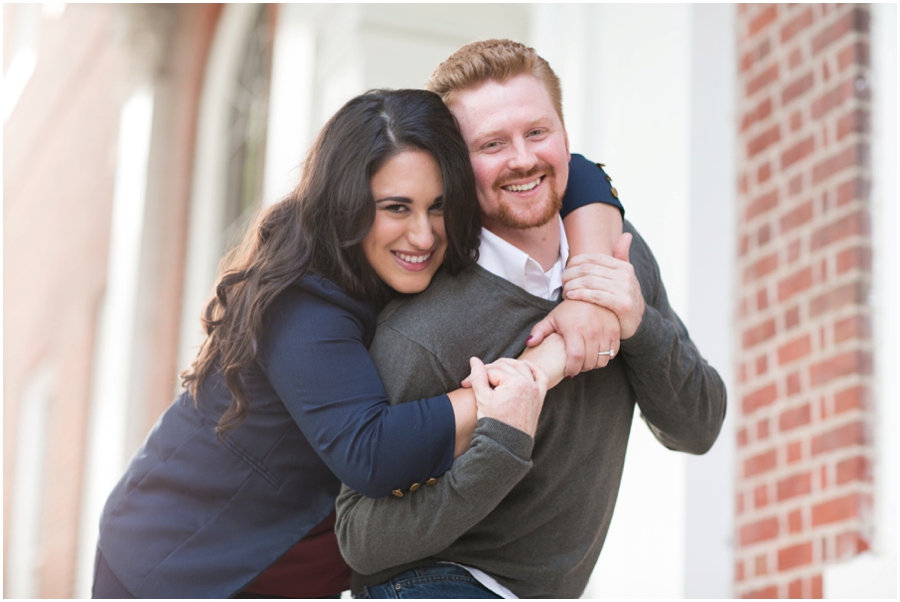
[588, 183]
[313, 353]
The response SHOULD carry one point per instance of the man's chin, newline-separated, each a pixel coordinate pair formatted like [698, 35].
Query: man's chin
[524, 218]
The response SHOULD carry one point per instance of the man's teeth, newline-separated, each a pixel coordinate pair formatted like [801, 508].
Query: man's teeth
[413, 258]
[523, 187]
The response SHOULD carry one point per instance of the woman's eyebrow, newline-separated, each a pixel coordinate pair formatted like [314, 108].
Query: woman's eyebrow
[395, 199]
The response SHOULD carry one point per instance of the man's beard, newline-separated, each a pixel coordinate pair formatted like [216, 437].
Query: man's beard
[507, 216]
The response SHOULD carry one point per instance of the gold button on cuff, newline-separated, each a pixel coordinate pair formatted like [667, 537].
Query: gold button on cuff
[397, 493]
[414, 486]
[615, 193]
[431, 481]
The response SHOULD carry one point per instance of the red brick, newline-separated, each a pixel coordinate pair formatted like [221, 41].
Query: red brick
[763, 141]
[854, 398]
[762, 299]
[797, 217]
[795, 185]
[852, 156]
[760, 497]
[795, 58]
[739, 504]
[746, 62]
[795, 589]
[852, 190]
[798, 484]
[759, 113]
[794, 251]
[850, 362]
[762, 365]
[758, 334]
[738, 571]
[856, 53]
[833, 98]
[759, 531]
[762, 80]
[762, 20]
[795, 521]
[796, 88]
[762, 429]
[855, 20]
[761, 267]
[840, 296]
[794, 350]
[797, 282]
[796, 25]
[850, 544]
[795, 556]
[760, 463]
[763, 173]
[770, 591]
[823, 477]
[859, 258]
[854, 469]
[842, 508]
[799, 151]
[761, 565]
[854, 327]
[794, 452]
[816, 582]
[795, 417]
[847, 435]
[855, 121]
[792, 384]
[854, 224]
[791, 318]
[742, 437]
[762, 204]
[743, 245]
[796, 121]
[759, 398]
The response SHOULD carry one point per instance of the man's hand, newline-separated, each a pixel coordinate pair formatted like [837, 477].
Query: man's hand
[511, 391]
[587, 330]
[609, 282]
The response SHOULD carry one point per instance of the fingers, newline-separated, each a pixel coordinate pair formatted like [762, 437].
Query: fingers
[623, 245]
[478, 378]
[575, 354]
[540, 330]
[540, 378]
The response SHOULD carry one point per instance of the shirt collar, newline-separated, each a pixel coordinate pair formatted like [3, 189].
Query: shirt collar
[502, 259]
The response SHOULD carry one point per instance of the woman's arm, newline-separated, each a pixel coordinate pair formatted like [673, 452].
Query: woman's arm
[592, 215]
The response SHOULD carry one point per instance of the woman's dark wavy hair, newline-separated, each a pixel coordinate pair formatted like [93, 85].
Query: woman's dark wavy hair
[320, 225]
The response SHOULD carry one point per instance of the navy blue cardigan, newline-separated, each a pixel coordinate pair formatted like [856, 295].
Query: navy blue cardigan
[196, 517]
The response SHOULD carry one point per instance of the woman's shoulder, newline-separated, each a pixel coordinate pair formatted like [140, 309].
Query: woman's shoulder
[314, 299]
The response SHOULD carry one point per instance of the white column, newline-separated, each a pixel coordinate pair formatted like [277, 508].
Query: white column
[108, 417]
[873, 574]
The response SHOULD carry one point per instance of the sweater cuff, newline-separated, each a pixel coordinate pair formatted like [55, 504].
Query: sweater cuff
[645, 340]
[519, 443]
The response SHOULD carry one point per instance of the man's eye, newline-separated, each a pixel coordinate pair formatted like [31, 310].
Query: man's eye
[491, 145]
[535, 132]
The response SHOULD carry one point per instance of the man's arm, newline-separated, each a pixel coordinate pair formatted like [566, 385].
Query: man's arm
[680, 396]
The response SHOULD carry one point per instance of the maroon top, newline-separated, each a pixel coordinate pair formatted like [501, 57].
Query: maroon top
[313, 568]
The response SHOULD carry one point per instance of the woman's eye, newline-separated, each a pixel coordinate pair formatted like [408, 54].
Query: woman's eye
[396, 208]
[438, 206]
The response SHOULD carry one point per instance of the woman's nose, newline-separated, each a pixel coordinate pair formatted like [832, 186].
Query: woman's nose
[420, 233]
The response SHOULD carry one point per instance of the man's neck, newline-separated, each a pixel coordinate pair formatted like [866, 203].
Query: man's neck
[541, 243]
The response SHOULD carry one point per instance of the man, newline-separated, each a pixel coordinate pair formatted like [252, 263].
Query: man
[516, 515]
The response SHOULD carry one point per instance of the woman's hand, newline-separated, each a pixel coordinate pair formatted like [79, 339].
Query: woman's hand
[511, 391]
[609, 282]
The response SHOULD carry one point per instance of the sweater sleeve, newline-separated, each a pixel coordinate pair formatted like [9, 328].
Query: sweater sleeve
[681, 397]
[314, 355]
[588, 183]
[375, 535]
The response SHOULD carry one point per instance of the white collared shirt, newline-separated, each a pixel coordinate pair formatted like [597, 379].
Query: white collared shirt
[510, 263]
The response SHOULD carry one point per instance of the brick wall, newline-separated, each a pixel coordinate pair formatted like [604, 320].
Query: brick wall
[803, 329]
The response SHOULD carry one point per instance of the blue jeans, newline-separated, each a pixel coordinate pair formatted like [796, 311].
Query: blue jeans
[436, 580]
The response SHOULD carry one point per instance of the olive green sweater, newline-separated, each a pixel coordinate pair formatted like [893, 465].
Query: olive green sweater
[531, 513]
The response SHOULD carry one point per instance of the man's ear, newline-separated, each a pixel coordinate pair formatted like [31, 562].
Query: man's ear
[566, 138]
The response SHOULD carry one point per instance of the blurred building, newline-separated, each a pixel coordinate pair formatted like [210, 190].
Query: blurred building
[753, 146]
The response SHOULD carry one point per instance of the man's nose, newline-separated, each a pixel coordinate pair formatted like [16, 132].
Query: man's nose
[523, 158]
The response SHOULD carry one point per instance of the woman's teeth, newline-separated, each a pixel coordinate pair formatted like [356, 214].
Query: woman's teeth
[413, 258]
[523, 187]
